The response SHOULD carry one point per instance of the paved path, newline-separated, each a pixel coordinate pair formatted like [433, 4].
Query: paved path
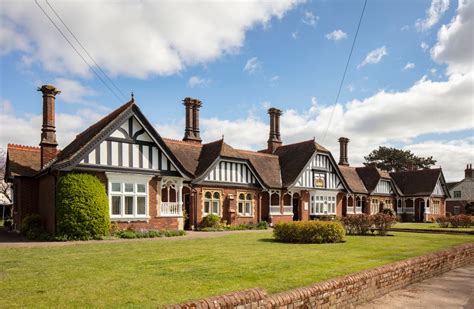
[10, 240]
[454, 289]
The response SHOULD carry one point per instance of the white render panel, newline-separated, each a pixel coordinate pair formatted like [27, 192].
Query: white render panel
[136, 154]
[231, 172]
[145, 154]
[103, 153]
[384, 187]
[135, 126]
[118, 134]
[125, 152]
[438, 190]
[320, 164]
[92, 157]
[155, 158]
[144, 137]
[115, 152]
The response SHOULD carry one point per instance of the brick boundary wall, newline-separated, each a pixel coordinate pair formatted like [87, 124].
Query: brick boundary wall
[432, 231]
[346, 291]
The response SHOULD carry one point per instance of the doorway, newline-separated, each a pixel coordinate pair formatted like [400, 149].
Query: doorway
[420, 211]
[187, 211]
[296, 209]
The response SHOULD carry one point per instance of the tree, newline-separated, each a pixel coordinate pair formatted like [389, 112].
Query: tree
[396, 160]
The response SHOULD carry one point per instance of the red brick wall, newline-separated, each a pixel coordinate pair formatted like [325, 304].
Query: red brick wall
[350, 290]
[25, 199]
[47, 201]
[229, 207]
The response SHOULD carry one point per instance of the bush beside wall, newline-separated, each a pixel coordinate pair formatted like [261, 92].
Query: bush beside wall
[317, 232]
[82, 207]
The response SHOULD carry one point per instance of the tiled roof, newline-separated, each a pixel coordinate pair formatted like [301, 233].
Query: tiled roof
[293, 158]
[417, 183]
[22, 160]
[451, 185]
[352, 179]
[197, 159]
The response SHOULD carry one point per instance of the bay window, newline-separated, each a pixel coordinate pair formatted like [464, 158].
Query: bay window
[128, 196]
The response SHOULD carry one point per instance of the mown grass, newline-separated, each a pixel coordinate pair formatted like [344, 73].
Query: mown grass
[156, 273]
[428, 225]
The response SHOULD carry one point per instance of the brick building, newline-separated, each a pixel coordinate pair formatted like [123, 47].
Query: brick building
[462, 193]
[160, 183]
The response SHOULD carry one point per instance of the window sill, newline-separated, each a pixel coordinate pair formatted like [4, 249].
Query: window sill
[132, 219]
[244, 216]
[169, 216]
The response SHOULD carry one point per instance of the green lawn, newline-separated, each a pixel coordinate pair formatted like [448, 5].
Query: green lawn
[409, 225]
[154, 273]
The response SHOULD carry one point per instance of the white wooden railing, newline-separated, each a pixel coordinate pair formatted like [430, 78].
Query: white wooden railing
[275, 209]
[288, 210]
[170, 209]
[358, 210]
[408, 210]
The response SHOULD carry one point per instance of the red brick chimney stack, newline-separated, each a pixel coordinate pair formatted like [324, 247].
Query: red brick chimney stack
[48, 144]
[343, 157]
[468, 171]
[191, 131]
[274, 139]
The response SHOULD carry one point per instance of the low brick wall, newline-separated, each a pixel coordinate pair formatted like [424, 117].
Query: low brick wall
[432, 231]
[347, 291]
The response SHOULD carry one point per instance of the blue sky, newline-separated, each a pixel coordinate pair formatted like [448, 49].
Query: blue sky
[291, 64]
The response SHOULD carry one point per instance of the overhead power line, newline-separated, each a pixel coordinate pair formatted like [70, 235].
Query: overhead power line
[345, 71]
[82, 46]
[77, 52]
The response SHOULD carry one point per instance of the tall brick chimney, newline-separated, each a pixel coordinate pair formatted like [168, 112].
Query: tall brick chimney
[274, 139]
[468, 171]
[48, 144]
[343, 158]
[191, 131]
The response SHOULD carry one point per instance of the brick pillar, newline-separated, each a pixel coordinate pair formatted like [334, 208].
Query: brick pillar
[48, 142]
[343, 157]
[196, 106]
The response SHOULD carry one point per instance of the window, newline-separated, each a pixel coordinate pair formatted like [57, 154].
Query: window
[212, 203]
[323, 204]
[457, 194]
[457, 210]
[245, 204]
[388, 204]
[436, 208]
[374, 206]
[128, 196]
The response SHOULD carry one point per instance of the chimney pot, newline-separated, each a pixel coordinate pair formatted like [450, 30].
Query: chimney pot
[343, 157]
[274, 139]
[468, 171]
[48, 142]
[191, 131]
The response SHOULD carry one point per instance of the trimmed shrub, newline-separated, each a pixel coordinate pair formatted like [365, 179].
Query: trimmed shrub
[211, 221]
[130, 234]
[359, 224]
[33, 229]
[317, 232]
[383, 222]
[82, 207]
[388, 211]
[460, 221]
[442, 221]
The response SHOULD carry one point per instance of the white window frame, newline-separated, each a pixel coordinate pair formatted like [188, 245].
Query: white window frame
[245, 203]
[374, 206]
[123, 179]
[436, 209]
[457, 191]
[211, 201]
[323, 204]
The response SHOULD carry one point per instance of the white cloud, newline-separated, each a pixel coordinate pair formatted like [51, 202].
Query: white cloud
[73, 91]
[433, 14]
[294, 35]
[424, 46]
[196, 81]
[266, 105]
[433, 71]
[155, 38]
[374, 56]
[309, 19]
[336, 35]
[252, 65]
[455, 41]
[274, 80]
[408, 66]
[351, 87]
[26, 129]
[6, 107]
[405, 28]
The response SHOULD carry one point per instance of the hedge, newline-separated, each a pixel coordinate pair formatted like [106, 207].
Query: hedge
[82, 207]
[317, 232]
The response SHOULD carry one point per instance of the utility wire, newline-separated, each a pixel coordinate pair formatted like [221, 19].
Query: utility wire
[78, 53]
[82, 46]
[345, 71]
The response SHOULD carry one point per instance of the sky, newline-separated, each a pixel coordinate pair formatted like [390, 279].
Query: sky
[409, 82]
